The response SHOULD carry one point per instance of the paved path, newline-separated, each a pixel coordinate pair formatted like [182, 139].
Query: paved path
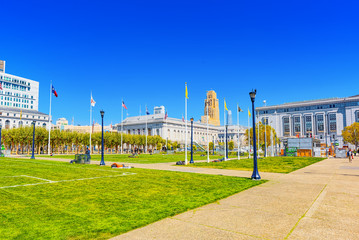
[170, 166]
[320, 201]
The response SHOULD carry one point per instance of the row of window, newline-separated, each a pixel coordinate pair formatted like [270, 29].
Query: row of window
[21, 115]
[9, 104]
[15, 87]
[20, 124]
[14, 80]
[331, 124]
[325, 106]
[16, 99]
[16, 94]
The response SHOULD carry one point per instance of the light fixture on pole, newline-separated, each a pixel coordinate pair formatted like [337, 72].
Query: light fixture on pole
[191, 141]
[102, 143]
[255, 175]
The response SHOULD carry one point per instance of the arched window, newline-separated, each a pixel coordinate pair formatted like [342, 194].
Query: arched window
[44, 125]
[21, 123]
[7, 124]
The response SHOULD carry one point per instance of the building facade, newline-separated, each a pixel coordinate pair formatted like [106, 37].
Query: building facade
[19, 101]
[63, 125]
[174, 129]
[323, 119]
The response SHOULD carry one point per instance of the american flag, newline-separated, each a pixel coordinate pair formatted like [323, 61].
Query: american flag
[182, 118]
[0, 86]
[166, 116]
[123, 105]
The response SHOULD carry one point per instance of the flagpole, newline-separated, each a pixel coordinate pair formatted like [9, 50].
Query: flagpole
[166, 116]
[185, 113]
[48, 148]
[225, 135]
[249, 138]
[207, 137]
[121, 126]
[90, 123]
[146, 130]
[238, 157]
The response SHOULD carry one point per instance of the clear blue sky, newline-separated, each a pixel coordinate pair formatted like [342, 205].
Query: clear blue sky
[144, 52]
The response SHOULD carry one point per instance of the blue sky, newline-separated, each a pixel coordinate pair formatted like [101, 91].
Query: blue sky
[144, 52]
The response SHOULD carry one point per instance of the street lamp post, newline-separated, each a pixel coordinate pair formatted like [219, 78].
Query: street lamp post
[102, 143]
[191, 141]
[33, 141]
[255, 175]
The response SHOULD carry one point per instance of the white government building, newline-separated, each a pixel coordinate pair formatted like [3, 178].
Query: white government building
[174, 129]
[322, 119]
[19, 101]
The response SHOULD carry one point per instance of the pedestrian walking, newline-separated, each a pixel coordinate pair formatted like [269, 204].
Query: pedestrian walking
[350, 155]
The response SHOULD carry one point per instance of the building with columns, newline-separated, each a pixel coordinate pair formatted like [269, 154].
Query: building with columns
[174, 129]
[323, 119]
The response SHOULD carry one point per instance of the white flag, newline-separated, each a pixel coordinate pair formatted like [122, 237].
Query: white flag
[92, 102]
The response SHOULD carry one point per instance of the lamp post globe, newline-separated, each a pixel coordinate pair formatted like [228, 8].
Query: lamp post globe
[102, 143]
[33, 141]
[191, 141]
[255, 175]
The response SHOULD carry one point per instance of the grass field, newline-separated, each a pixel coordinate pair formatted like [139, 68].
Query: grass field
[268, 164]
[143, 158]
[54, 200]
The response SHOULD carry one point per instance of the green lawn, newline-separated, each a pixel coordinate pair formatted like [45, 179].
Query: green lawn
[143, 158]
[55, 200]
[268, 164]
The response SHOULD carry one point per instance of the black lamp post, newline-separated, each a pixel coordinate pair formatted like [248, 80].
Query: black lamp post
[226, 141]
[102, 143]
[33, 141]
[191, 141]
[255, 174]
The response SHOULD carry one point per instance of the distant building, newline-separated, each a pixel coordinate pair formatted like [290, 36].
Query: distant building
[62, 124]
[62, 121]
[19, 101]
[159, 110]
[174, 129]
[323, 119]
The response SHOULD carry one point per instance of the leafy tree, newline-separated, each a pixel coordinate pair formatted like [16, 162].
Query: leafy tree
[231, 145]
[211, 146]
[351, 134]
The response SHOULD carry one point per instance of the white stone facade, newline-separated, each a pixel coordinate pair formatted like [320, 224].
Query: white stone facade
[323, 119]
[19, 102]
[174, 129]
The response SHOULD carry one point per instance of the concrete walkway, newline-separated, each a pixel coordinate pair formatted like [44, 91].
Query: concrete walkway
[320, 201]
